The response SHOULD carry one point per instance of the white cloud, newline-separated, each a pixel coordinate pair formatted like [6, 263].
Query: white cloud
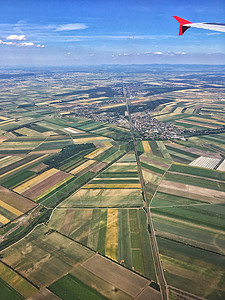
[158, 52]
[74, 26]
[14, 37]
[40, 46]
[26, 44]
[180, 53]
[7, 43]
[92, 54]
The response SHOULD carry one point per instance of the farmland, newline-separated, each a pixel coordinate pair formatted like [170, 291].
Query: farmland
[90, 210]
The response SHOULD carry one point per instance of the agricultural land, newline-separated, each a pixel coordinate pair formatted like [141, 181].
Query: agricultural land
[112, 183]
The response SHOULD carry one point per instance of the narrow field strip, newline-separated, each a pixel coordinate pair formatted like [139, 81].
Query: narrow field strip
[83, 166]
[146, 147]
[34, 181]
[10, 208]
[111, 245]
[113, 186]
[53, 188]
[96, 152]
[24, 165]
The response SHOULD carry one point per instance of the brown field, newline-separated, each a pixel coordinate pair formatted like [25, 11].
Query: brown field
[124, 279]
[44, 185]
[39, 168]
[34, 181]
[67, 222]
[149, 293]
[152, 161]
[44, 294]
[196, 151]
[96, 167]
[191, 191]
[15, 200]
[46, 151]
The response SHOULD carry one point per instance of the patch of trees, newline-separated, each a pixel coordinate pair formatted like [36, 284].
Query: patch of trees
[66, 152]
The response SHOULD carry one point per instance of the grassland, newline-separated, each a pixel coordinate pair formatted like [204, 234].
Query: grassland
[68, 286]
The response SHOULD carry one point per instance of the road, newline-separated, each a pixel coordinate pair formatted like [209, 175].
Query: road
[155, 251]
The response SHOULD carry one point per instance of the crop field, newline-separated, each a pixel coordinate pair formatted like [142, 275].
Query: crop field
[190, 233]
[107, 289]
[44, 256]
[197, 171]
[21, 164]
[12, 205]
[95, 197]
[120, 234]
[40, 184]
[72, 191]
[195, 181]
[112, 186]
[92, 139]
[185, 264]
[153, 169]
[16, 282]
[68, 286]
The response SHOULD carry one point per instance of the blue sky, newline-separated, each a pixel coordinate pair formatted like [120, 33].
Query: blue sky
[76, 32]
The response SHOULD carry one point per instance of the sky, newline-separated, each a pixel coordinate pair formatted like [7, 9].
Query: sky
[89, 32]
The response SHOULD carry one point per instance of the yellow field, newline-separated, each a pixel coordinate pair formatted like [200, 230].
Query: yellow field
[4, 118]
[111, 245]
[28, 132]
[178, 110]
[6, 122]
[90, 139]
[3, 220]
[107, 144]
[53, 188]
[96, 152]
[34, 181]
[206, 120]
[2, 140]
[110, 106]
[27, 164]
[10, 208]
[113, 186]
[197, 124]
[146, 147]
[81, 167]
[162, 117]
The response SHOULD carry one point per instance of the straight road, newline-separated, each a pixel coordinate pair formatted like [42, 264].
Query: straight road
[156, 257]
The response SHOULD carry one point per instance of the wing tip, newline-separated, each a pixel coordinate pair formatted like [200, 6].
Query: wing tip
[182, 23]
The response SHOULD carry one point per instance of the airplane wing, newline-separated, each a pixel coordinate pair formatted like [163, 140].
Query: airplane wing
[184, 25]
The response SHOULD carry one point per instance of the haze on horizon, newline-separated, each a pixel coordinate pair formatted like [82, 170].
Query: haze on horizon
[105, 32]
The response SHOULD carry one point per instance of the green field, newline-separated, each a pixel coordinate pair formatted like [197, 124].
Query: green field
[69, 287]
[185, 265]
